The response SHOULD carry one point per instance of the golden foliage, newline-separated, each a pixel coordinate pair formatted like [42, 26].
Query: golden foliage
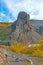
[34, 50]
[3, 46]
[5, 24]
[18, 47]
[40, 42]
[37, 51]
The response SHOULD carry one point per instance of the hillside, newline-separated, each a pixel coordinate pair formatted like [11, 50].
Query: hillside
[24, 31]
[4, 34]
[21, 30]
[6, 30]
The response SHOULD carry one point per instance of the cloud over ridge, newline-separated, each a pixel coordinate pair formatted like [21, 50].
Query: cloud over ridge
[32, 7]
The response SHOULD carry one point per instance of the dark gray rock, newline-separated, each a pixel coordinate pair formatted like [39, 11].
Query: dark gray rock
[21, 29]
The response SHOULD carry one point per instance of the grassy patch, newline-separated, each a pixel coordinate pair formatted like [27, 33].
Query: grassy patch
[5, 33]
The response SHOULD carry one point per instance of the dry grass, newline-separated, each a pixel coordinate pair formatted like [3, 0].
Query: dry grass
[5, 24]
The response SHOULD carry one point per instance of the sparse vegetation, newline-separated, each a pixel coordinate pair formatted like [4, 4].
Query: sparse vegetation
[18, 47]
[41, 63]
[36, 50]
[5, 33]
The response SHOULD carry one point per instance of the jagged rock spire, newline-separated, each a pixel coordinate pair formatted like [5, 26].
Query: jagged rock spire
[21, 33]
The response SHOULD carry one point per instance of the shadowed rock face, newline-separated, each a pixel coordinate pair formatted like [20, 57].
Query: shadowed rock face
[23, 16]
[21, 31]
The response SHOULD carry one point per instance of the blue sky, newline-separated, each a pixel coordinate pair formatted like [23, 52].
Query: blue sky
[9, 9]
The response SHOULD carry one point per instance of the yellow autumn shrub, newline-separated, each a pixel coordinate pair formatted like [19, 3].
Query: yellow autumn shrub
[40, 42]
[37, 53]
[18, 47]
[37, 50]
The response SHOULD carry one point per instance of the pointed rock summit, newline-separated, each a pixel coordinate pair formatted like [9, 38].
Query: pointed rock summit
[23, 16]
[21, 28]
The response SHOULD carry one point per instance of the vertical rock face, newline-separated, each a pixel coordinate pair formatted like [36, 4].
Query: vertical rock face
[22, 30]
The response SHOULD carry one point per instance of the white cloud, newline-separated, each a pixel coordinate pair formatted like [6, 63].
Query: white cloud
[4, 18]
[2, 14]
[30, 6]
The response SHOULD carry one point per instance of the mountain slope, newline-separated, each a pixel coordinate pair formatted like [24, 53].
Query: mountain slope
[23, 31]
[4, 33]
[20, 31]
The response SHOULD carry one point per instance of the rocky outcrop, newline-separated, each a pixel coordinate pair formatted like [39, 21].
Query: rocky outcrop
[22, 28]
